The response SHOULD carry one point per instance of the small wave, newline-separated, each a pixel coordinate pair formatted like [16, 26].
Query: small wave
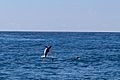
[22, 39]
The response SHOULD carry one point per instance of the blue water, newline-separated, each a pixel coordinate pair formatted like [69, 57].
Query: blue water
[20, 56]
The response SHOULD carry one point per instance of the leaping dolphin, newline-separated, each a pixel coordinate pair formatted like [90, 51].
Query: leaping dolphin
[46, 50]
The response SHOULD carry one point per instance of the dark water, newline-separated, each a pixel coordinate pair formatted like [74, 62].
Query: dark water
[20, 56]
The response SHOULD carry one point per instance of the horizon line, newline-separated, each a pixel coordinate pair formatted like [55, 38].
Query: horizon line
[51, 31]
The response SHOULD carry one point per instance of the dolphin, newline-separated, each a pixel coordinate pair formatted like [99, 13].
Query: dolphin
[46, 50]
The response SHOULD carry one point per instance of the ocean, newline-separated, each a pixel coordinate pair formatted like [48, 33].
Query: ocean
[73, 56]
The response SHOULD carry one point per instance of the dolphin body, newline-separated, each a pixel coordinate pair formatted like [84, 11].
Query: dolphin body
[46, 50]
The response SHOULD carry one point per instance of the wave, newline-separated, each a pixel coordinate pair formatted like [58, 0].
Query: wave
[21, 39]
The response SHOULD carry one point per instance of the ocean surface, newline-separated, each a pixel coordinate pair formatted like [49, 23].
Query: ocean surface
[73, 56]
